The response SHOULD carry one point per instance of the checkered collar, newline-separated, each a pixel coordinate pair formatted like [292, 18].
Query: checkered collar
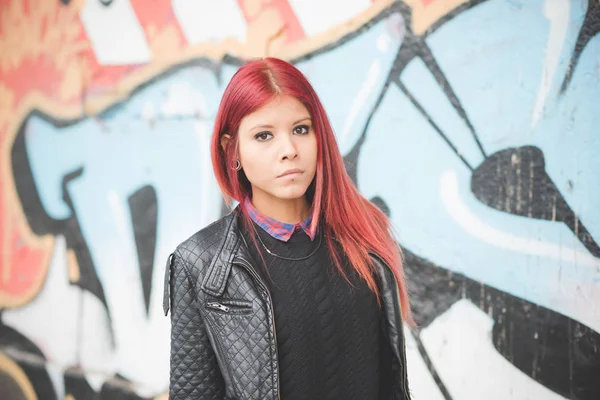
[279, 230]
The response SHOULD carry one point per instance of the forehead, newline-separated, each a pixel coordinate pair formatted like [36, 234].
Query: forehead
[281, 110]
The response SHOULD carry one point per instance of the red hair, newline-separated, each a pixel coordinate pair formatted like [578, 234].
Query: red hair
[358, 226]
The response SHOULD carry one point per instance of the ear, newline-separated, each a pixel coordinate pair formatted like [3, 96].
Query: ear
[225, 141]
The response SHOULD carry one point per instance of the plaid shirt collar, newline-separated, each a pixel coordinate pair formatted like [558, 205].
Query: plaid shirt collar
[279, 230]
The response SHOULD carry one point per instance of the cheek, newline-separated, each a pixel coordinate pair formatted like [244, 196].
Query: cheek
[247, 152]
[254, 160]
[311, 151]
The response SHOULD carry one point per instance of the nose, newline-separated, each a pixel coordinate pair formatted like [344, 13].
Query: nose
[289, 150]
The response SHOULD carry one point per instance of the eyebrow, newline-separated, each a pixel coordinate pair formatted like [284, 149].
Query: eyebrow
[271, 126]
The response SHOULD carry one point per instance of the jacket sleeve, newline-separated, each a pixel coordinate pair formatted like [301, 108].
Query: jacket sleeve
[194, 372]
[396, 345]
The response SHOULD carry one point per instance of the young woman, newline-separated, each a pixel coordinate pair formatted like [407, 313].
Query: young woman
[299, 292]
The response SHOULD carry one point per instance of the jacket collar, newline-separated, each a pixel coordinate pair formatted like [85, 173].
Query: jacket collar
[218, 271]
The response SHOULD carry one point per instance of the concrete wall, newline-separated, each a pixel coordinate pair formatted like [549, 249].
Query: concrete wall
[474, 124]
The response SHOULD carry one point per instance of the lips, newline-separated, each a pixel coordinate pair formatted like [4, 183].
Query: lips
[291, 171]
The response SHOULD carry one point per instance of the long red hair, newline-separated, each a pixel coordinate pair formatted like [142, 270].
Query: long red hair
[359, 227]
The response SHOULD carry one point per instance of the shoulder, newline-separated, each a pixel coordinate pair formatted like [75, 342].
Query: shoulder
[383, 271]
[197, 250]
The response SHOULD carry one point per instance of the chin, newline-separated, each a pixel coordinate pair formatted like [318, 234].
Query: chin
[290, 193]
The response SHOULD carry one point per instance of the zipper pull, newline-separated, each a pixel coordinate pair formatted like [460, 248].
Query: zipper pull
[218, 306]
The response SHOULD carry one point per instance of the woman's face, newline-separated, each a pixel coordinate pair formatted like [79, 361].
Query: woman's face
[278, 149]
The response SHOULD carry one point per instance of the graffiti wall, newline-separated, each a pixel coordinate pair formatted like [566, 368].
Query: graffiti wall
[475, 125]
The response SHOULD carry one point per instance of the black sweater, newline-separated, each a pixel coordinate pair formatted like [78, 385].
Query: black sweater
[329, 335]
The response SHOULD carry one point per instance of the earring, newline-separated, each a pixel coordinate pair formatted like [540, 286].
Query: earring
[238, 165]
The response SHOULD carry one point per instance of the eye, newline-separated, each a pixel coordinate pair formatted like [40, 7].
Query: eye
[263, 136]
[301, 130]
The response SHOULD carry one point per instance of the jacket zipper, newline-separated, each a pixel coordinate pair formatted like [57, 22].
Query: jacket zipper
[218, 306]
[248, 267]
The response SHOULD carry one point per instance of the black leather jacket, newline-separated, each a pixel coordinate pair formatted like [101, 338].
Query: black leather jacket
[223, 338]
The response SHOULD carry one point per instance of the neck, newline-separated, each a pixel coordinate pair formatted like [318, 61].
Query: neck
[290, 211]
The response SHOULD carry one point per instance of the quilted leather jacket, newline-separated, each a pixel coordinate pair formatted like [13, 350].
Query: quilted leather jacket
[223, 337]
